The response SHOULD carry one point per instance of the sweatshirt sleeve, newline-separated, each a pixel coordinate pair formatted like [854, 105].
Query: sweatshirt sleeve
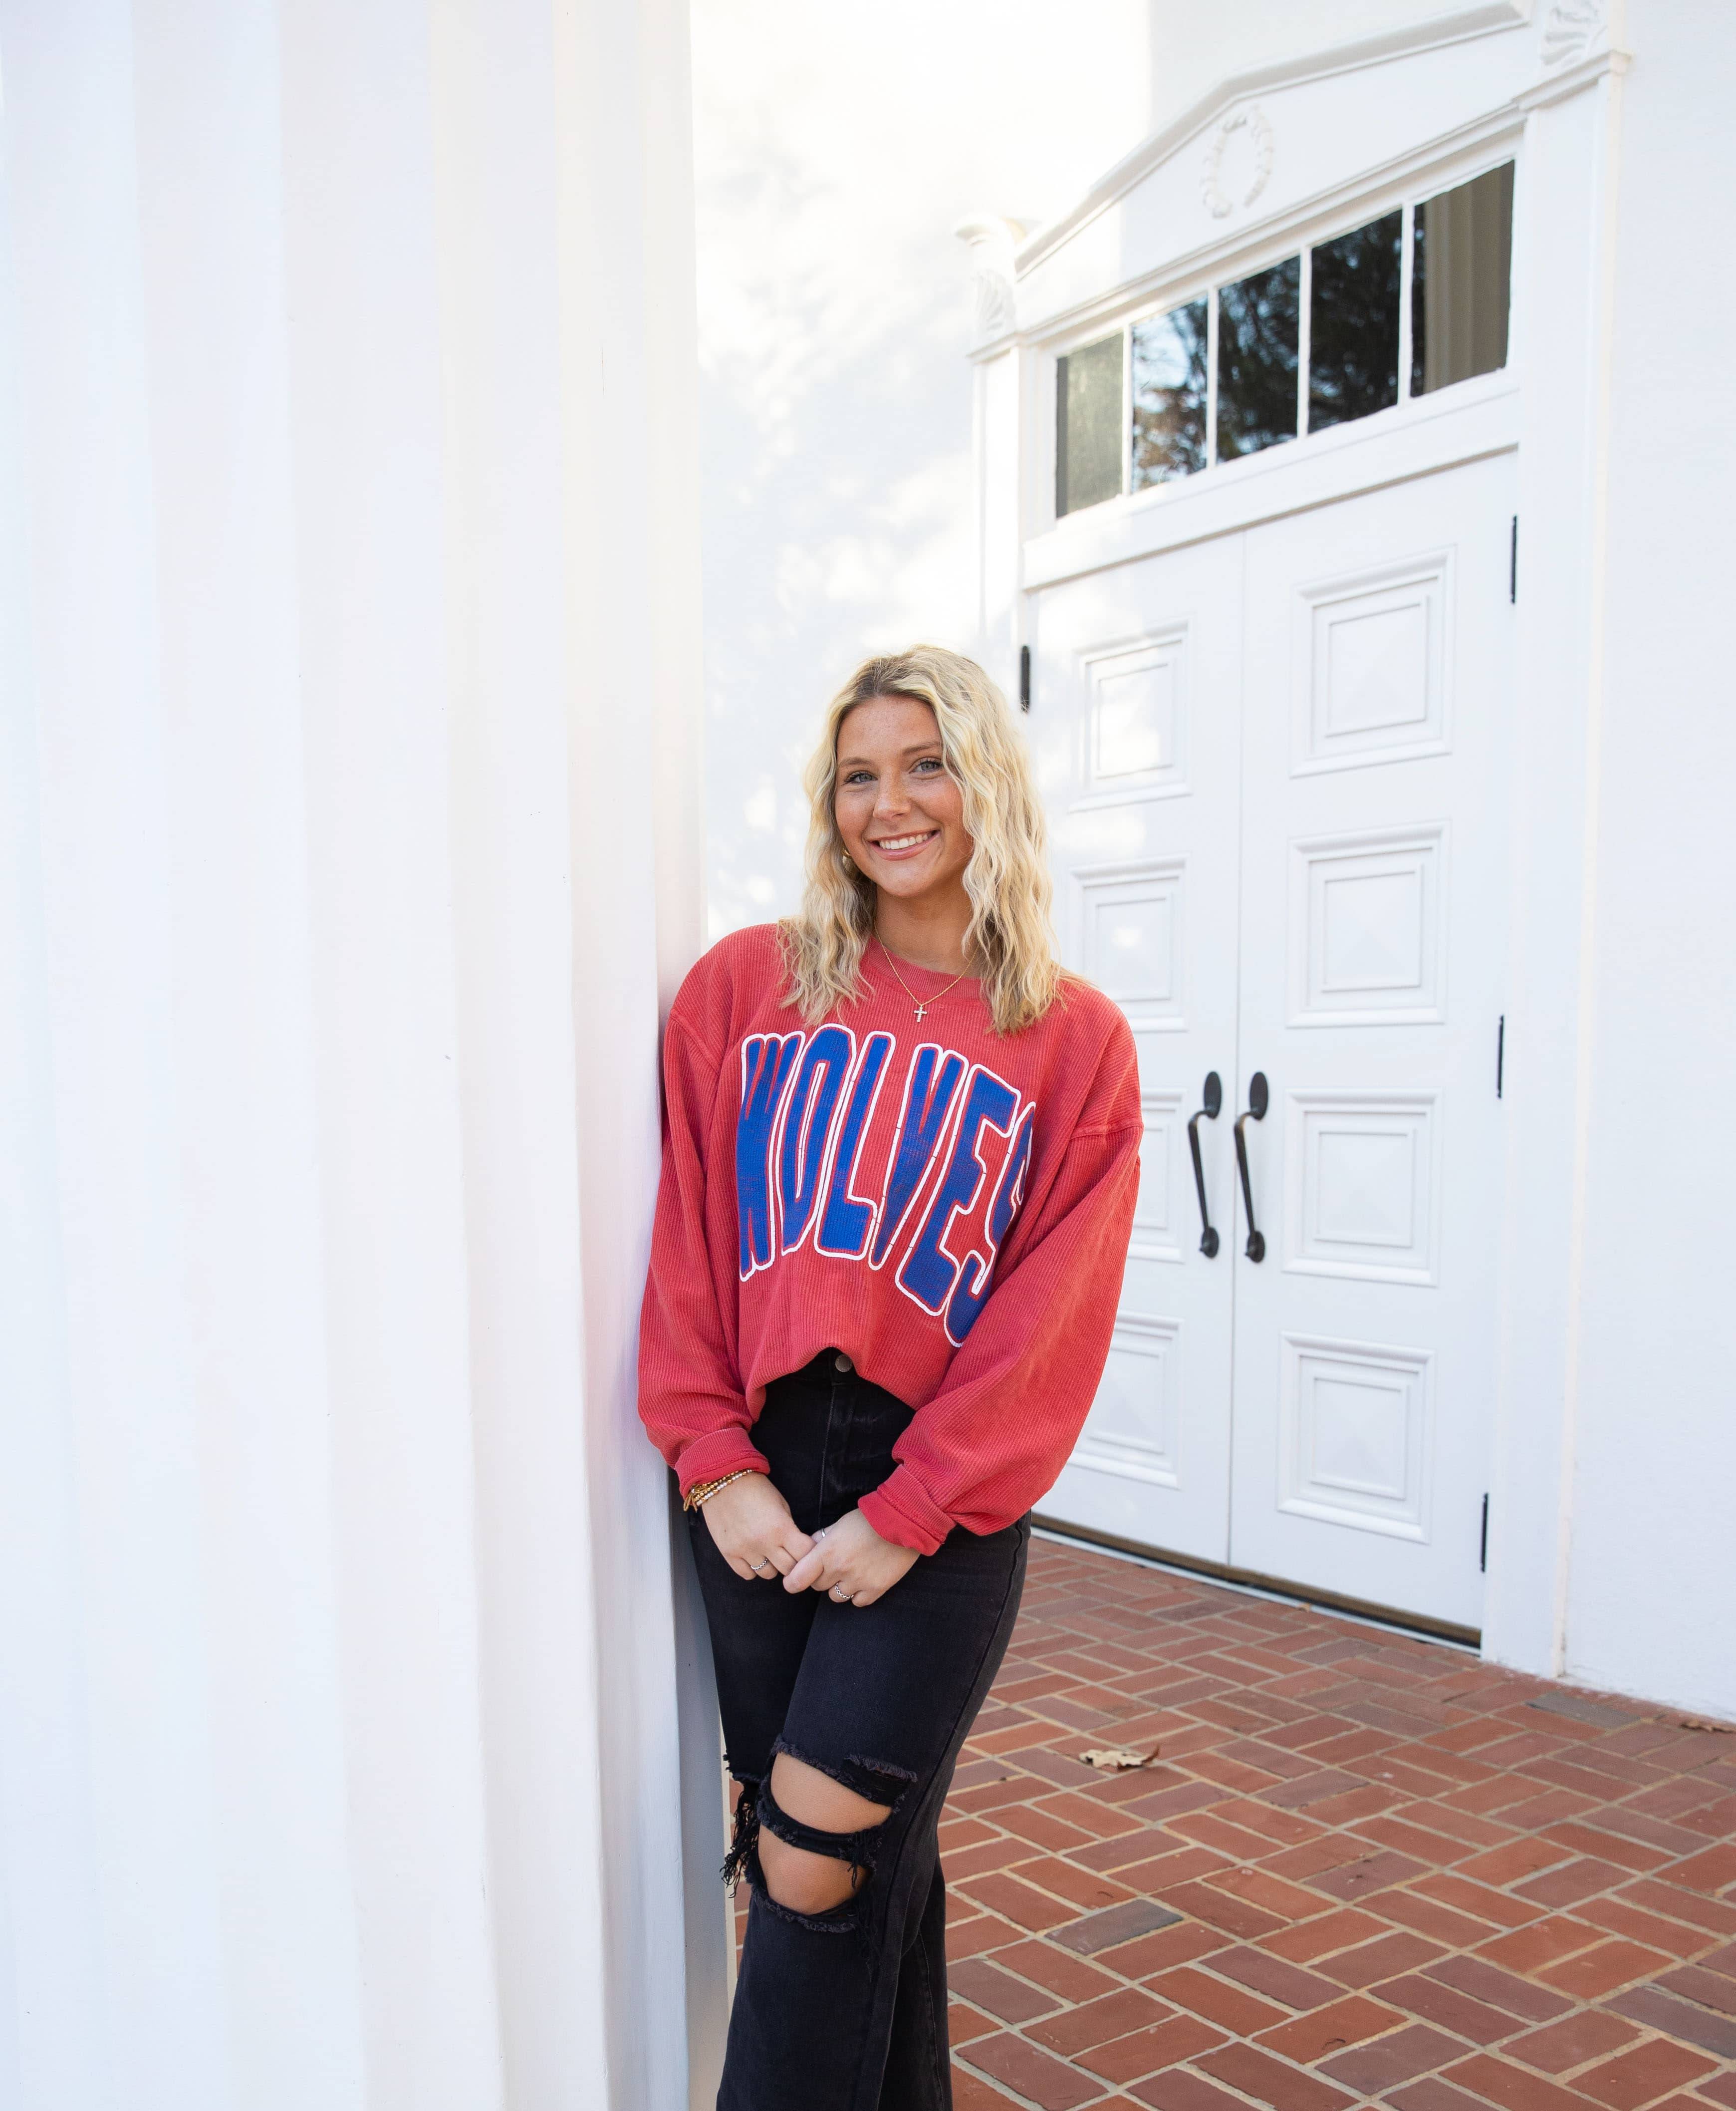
[995, 1438]
[690, 1397]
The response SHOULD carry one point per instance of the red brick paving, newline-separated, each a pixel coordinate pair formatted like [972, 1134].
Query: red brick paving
[1362, 1869]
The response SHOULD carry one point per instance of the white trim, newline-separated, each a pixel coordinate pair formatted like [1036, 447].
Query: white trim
[1587, 74]
[1304, 333]
[1210, 298]
[1471, 420]
[1596, 553]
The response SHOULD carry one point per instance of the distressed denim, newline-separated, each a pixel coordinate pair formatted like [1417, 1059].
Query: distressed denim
[846, 2010]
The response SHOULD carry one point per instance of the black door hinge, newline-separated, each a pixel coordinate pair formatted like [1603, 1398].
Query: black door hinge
[1024, 677]
[1483, 1547]
[1513, 562]
[1500, 1054]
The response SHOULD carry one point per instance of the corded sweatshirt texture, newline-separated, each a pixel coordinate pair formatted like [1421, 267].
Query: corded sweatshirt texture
[947, 1205]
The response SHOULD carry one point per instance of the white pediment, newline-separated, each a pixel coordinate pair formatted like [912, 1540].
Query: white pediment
[1269, 155]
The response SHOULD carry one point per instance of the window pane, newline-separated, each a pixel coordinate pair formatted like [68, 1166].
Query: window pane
[1353, 324]
[1088, 425]
[1257, 321]
[1462, 262]
[1169, 395]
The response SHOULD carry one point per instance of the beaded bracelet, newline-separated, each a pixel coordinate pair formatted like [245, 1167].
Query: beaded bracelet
[701, 1493]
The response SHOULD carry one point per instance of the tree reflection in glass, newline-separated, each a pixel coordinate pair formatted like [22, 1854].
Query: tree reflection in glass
[1169, 395]
[1256, 357]
[1353, 324]
[1088, 411]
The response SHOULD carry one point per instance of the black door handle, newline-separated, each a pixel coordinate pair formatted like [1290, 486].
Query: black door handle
[1214, 1100]
[1258, 1099]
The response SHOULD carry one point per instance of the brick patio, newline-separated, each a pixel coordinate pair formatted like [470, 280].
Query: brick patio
[1363, 1869]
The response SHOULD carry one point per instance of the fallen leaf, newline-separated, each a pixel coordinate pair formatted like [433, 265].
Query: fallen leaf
[1117, 1759]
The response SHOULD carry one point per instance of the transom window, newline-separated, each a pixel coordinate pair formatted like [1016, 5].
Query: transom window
[1318, 340]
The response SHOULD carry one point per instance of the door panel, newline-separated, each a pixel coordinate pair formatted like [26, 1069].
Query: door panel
[1137, 731]
[1372, 964]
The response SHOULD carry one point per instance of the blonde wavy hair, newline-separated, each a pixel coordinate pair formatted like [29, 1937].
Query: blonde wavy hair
[1009, 938]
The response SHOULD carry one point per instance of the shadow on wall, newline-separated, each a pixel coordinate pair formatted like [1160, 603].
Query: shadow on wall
[872, 547]
[836, 153]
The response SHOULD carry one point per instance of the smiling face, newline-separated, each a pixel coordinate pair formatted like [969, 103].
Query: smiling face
[899, 812]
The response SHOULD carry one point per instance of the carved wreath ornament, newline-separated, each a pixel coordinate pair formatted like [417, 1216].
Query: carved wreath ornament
[1253, 120]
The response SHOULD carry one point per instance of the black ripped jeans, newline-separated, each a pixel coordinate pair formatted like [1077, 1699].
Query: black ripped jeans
[846, 2010]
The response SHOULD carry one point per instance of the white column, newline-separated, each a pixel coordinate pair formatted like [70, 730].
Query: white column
[998, 454]
[1562, 266]
[114, 1740]
[348, 622]
[1000, 466]
[1653, 1556]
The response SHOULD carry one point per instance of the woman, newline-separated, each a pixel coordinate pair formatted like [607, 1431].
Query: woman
[899, 1161]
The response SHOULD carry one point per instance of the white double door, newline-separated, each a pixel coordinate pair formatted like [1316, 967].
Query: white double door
[1275, 767]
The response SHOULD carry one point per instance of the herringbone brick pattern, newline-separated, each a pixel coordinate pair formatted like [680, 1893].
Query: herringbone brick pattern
[1362, 1869]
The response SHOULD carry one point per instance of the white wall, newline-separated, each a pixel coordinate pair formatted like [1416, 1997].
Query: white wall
[350, 768]
[1652, 1550]
[837, 148]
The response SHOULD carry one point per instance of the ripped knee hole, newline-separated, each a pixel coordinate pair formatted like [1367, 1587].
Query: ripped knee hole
[826, 1863]
[814, 1799]
[804, 1882]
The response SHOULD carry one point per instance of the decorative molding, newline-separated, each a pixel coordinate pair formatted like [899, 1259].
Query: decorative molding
[1307, 1487]
[1253, 120]
[1155, 1238]
[1157, 1004]
[991, 240]
[1570, 30]
[1459, 26]
[1568, 80]
[1152, 1453]
[1165, 646]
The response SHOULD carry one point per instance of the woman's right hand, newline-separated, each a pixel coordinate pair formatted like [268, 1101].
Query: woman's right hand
[751, 1523]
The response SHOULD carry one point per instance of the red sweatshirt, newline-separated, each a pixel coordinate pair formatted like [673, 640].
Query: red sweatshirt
[948, 1205]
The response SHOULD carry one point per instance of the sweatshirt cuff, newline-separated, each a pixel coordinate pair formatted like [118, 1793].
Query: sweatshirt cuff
[718, 1452]
[901, 1510]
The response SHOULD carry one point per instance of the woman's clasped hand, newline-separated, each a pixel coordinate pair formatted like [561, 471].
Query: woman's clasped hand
[850, 1561]
[750, 1524]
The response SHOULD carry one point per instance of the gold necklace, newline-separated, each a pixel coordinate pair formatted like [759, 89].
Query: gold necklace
[922, 1004]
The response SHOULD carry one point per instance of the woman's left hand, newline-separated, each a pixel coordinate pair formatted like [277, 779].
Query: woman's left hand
[850, 1559]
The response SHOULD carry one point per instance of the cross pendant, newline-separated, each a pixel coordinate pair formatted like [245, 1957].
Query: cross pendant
[921, 1011]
